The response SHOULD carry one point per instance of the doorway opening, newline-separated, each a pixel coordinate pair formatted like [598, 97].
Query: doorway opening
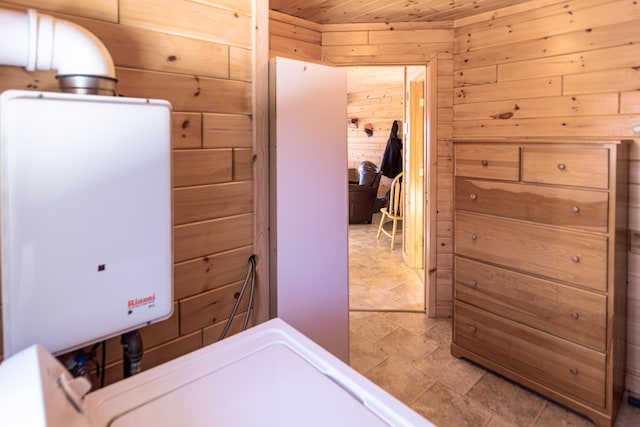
[381, 278]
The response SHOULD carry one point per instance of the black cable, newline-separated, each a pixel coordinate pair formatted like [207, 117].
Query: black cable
[102, 361]
[250, 273]
[252, 260]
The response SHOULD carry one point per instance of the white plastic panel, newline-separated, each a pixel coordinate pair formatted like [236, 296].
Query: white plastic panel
[85, 217]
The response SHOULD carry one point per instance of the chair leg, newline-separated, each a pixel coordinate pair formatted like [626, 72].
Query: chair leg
[380, 226]
[393, 233]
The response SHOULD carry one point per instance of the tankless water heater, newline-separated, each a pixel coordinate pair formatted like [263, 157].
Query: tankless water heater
[85, 217]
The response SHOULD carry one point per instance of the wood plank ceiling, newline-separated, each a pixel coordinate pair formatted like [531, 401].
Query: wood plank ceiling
[372, 11]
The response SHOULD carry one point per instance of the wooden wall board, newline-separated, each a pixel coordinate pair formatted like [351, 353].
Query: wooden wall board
[425, 37]
[548, 86]
[475, 76]
[173, 349]
[204, 202]
[198, 167]
[580, 105]
[292, 31]
[601, 37]
[575, 63]
[240, 64]
[228, 25]
[187, 93]
[587, 126]
[210, 272]
[186, 130]
[210, 307]
[546, 22]
[211, 334]
[226, 130]
[382, 54]
[208, 237]
[140, 48]
[615, 80]
[283, 46]
[242, 164]
[104, 10]
[629, 102]
[346, 38]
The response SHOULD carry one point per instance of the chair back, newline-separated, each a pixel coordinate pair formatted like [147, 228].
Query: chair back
[396, 196]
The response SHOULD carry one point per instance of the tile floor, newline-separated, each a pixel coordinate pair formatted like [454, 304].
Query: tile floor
[378, 277]
[407, 354]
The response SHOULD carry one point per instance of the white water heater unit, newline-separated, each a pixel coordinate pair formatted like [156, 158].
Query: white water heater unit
[85, 214]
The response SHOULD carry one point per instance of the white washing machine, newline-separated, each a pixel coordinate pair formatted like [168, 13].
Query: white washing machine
[269, 375]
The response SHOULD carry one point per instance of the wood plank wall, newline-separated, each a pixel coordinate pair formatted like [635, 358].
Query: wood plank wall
[165, 49]
[391, 44]
[557, 69]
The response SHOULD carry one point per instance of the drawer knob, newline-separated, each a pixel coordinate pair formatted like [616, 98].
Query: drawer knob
[473, 197]
[473, 284]
[485, 162]
[575, 259]
[562, 166]
[474, 236]
[574, 371]
[472, 329]
[575, 315]
[575, 209]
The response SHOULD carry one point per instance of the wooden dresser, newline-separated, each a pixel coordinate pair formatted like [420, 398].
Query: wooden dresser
[540, 267]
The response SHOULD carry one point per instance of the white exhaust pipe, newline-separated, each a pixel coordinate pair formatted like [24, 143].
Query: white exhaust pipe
[41, 42]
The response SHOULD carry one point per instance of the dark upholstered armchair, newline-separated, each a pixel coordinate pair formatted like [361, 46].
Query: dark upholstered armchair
[362, 194]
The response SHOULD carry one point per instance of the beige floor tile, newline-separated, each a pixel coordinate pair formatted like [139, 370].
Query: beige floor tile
[498, 421]
[406, 344]
[455, 373]
[418, 323]
[554, 415]
[447, 408]
[399, 377]
[371, 325]
[507, 399]
[363, 355]
[440, 334]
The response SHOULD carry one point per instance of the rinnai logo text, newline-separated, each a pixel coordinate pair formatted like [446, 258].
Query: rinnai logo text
[139, 302]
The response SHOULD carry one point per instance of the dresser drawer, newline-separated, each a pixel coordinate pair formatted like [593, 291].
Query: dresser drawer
[548, 360]
[561, 310]
[493, 161]
[585, 209]
[582, 167]
[569, 256]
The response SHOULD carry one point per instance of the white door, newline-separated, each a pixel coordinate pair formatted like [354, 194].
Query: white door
[308, 201]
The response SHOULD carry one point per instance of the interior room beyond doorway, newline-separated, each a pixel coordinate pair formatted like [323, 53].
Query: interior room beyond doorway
[380, 278]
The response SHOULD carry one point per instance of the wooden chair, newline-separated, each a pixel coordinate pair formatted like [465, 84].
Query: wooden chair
[393, 212]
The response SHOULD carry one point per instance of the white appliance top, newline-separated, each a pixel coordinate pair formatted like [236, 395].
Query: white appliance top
[269, 375]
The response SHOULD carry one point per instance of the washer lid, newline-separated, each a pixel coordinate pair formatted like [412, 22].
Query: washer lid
[272, 387]
[269, 375]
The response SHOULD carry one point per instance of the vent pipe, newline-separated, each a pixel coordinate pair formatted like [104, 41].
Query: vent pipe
[37, 41]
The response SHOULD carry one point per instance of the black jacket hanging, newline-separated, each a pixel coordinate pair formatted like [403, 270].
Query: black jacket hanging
[392, 158]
